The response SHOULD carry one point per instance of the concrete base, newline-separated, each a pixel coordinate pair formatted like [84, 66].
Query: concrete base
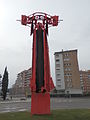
[40, 103]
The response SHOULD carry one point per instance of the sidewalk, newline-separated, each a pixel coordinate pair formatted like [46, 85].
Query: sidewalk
[15, 100]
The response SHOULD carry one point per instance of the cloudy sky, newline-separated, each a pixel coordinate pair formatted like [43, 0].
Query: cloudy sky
[16, 42]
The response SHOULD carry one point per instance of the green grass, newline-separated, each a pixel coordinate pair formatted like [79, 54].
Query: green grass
[73, 114]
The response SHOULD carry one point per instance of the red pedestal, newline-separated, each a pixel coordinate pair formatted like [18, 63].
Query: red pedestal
[40, 103]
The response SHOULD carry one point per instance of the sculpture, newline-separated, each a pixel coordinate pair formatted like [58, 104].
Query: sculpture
[41, 82]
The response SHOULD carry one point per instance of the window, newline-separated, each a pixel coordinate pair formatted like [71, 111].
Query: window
[57, 65]
[58, 79]
[67, 69]
[57, 55]
[57, 60]
[58, 69]
[66, 54]
[64, 64]
[80, 74]
[65, 74]
[68, 80]
[58, 75]
[66, 59]
[67, 64]
[59, 85]
[88, 76]
[68, 74]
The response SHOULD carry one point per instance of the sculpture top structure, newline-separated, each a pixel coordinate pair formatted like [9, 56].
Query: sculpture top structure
[40, 22]
[38, 17]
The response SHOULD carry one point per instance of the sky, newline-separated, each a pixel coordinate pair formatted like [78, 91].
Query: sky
[16, 42]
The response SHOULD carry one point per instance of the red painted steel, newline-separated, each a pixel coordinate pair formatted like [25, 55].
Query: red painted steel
[40, 102]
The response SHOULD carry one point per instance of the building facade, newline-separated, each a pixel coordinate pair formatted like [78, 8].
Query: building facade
[0, 82]
[22, 84]
[67, 72]
[85, 81]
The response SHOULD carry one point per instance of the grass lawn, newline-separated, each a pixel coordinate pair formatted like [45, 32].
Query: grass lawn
[72, 114]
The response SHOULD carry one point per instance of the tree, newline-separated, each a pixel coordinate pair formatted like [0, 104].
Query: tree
[0, 81]
[5, 84]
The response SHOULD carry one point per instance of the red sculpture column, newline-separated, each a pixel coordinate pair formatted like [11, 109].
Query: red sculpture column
[41, 82]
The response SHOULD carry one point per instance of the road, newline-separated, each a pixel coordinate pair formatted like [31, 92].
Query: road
[56, 103]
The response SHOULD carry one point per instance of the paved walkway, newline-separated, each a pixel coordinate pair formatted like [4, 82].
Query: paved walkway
[16, 105]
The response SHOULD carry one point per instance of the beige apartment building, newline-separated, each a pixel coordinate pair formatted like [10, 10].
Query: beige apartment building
[67, 72]
[85, 81]
[22, 84]
[0, 82]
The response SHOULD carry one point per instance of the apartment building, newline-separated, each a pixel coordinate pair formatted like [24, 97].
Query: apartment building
[67, 72]
[0, 85]
[0, 82]
[22, 84]
[85, 81]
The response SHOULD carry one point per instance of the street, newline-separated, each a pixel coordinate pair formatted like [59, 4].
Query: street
[56, 103]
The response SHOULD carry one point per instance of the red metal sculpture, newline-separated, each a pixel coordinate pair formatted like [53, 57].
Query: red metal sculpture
[41, 82]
